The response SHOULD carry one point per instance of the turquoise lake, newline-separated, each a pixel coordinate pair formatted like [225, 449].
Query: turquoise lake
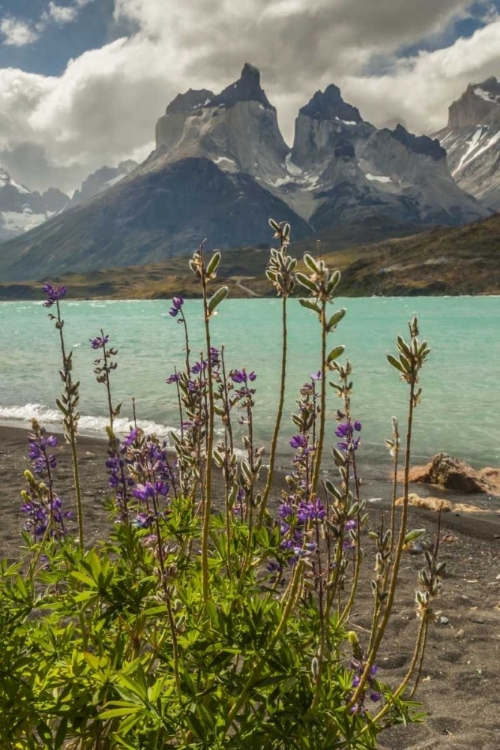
[460, 411]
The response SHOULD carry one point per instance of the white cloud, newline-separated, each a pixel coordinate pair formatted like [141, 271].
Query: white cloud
[62, 13]
[16, 32]
[103, 108]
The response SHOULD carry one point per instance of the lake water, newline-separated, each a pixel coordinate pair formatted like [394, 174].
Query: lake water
[460, 412]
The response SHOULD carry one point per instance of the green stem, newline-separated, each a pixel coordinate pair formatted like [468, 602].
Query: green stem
[397, 560]
[279, 416]
[321, 437]
[210, 442]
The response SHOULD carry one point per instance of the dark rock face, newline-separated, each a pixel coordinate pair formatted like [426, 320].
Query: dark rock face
[246, 89]
[55, 200]
[184, 104]
[101, 180]
[329, 105]
[475, 104]
[419, 144]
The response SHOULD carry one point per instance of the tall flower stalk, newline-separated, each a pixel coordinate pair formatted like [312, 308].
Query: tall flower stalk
[205, 272]
[409, 362]
[68, 403]
[281, 272]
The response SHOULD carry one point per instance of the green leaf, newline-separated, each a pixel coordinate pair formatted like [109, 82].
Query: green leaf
[414, 535]
[214, 263]
[335, 354]
[310, 304]
[335, 319]
[306, 282]
[395, 363]
[333, 282]
[218, 297]
[311, 263]
[133, 708]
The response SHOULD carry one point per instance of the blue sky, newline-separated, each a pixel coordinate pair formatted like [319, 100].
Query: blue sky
[82, 82]
[57, 43]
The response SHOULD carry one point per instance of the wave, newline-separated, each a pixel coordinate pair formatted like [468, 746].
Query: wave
[22, 416]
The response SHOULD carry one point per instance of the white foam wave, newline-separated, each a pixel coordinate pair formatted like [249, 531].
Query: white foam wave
[22, 416]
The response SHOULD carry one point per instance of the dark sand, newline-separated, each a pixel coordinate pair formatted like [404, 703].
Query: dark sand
[461, 672]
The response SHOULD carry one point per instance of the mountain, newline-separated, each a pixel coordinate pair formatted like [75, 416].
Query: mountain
[440, 261]
[21, 209]
[101, 180]
[472, 141]
[221, 168]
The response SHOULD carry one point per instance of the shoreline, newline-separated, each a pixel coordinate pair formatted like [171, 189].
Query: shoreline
[376, 487]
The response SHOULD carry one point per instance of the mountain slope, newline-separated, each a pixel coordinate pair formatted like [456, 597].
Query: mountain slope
[142, 220]
[472, 141]
[101, 180]
[441, 261]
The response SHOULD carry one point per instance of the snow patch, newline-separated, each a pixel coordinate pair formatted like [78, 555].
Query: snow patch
[476, 148]
[487, 96]
[378, 178]
[224, 158]
[472, 145]
[291, 167]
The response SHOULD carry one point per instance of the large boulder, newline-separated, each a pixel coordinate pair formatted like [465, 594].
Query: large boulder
[454, 474]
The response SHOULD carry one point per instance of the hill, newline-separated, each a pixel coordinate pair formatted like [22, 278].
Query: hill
[443, 261]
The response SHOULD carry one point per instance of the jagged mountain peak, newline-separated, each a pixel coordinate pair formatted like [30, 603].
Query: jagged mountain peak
[329, 105]
[190, 101]
[419, 144]
[246, 89]
[476, 104]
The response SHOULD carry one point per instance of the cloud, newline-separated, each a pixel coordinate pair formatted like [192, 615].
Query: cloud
[17, 33]
[61, 14]
[103, 108]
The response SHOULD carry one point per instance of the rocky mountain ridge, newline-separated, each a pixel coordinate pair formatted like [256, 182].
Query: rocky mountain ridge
[22, 209]
[100, 180]
[472, 141]
[221, 168]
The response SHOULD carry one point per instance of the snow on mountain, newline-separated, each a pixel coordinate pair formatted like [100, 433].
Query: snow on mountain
[221, 169]
[472, 141]
[21, 209]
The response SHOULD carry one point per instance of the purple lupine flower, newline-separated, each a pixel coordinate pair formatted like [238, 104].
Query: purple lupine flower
[214, 356]
[54, 294]
[298, 441]
[375, 696]
[316, 375]
[311, 511]
[241, 376]
[199, 367]
[177, 303]
[357, 426]
[131, 437]
[344, 430]
[174, 378]
[99, 342]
